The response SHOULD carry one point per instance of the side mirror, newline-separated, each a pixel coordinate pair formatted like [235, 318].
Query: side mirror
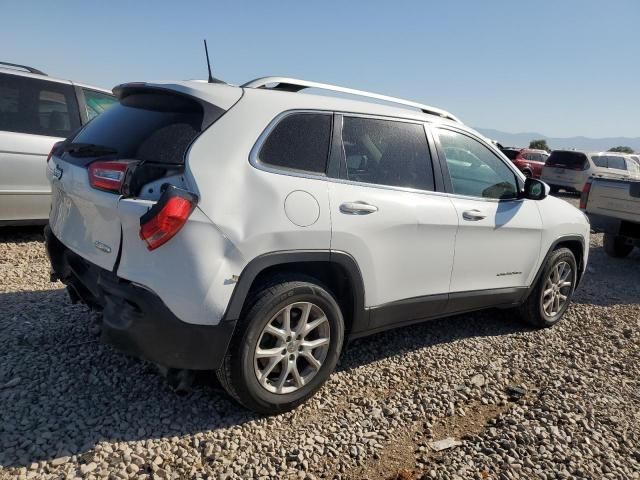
[534, 189]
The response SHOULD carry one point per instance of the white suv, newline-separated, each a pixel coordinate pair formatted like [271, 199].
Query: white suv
[253, 230]
[570, 169]
[36, 111]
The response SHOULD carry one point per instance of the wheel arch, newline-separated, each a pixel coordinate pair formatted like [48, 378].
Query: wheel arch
[576, 244]
[335, 269]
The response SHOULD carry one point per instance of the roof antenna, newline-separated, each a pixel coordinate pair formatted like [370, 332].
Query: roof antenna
[211, 77]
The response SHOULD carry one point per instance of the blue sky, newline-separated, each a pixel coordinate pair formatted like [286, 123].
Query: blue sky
[561, 67]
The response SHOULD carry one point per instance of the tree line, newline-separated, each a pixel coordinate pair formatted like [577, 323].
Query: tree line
[541, 144]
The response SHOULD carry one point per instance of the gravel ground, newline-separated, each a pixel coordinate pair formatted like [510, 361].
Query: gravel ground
[476, 396]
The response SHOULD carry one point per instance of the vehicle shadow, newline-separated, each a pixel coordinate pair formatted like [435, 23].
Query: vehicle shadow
[604, 271]
[22, 234]
[62, 391]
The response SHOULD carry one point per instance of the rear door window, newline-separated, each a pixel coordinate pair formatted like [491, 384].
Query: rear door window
[386, 152]
[38, 107]
[610, 161]
[300, 141]
[617, 162]
[97, 102]
[600, 161]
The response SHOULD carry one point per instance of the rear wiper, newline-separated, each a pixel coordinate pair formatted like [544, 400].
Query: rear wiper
[88, 149]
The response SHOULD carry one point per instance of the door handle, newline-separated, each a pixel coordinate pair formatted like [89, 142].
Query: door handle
[357, 208]
[473, 215]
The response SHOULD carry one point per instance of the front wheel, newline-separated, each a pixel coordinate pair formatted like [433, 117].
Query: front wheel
[552, 294]
[554, 188]
[286, 345]
[616, 246]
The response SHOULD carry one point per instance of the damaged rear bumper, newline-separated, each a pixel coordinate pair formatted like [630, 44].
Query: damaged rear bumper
[136, 320]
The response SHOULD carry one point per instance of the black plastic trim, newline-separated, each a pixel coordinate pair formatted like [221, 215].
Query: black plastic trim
[134, 319]
[430, 307]
[259, 264]
[460, 302]
[403, 311]
[579, 261]
[25, 67]
[438, 174]
[82, 105]
[335, 166]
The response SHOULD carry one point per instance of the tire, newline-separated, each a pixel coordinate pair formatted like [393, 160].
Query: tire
[554, 188]
[616, 246]
[527, 173]
[240, 370]
[535, 310]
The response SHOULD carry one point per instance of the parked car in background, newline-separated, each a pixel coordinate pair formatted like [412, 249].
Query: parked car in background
[613, 207]
[528, 160]
[253, 230]
[570, 169]
[36, 111]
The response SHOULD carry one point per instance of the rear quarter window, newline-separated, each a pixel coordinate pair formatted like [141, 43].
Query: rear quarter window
[300, 141]
[97, 102]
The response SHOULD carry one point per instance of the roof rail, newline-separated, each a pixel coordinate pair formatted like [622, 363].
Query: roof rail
[294, 85]
[24, 67]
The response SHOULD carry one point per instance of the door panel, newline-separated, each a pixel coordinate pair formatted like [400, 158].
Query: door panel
[497, 245]
[499, 236]
[404, 249]
[24, 189]
[34, 114]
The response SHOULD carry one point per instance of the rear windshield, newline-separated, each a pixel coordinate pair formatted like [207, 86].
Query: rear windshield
[511, 154]
[573, 160]
[154, 127]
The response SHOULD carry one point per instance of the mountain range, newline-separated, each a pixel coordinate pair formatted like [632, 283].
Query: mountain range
[557, 143]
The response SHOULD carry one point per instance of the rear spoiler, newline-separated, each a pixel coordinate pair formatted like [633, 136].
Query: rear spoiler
[211, 112]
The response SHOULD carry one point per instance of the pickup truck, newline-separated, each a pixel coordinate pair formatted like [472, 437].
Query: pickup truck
[613, 207]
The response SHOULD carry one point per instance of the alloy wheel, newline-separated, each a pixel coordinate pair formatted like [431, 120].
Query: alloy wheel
[292, 347]
[557, 289]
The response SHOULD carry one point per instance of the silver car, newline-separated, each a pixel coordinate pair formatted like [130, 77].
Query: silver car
[36, 111]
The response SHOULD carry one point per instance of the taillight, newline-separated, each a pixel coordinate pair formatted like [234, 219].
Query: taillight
[584, 196]
[108, 176]
[167, 217]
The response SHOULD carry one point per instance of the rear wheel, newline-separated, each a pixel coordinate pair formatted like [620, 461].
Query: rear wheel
[286, 346]
[616, 246]
[527, 173]
[551, 296]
